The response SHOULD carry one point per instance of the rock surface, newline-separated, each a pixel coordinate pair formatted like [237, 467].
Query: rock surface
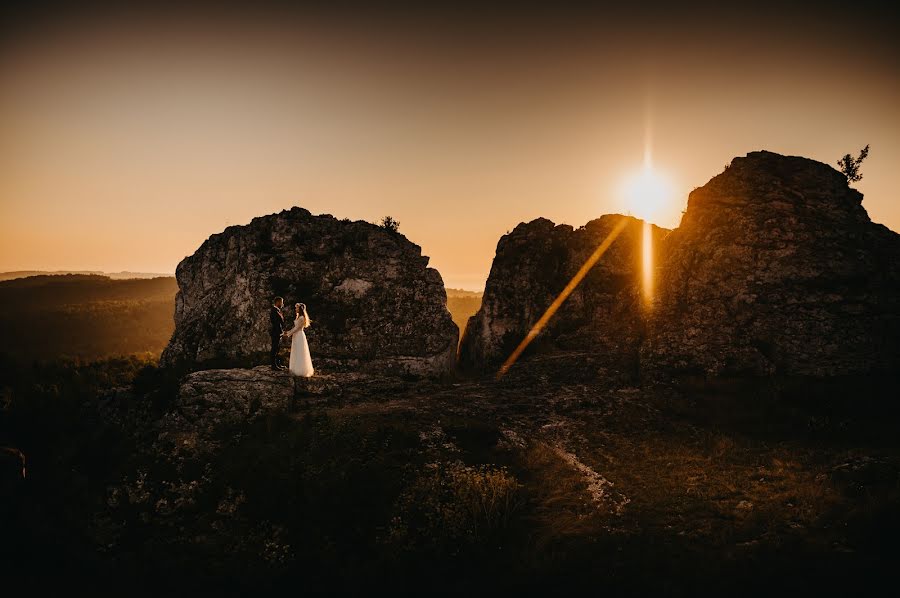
[374, 303]
[533, 264]
[776, 269]
[210, 404]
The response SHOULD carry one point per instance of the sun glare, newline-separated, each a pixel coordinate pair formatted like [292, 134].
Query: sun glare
[647, 263]
[646, 193]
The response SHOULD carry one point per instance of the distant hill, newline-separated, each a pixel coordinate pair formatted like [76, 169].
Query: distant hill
[91, 315]
[114, 275]
[87, 316]
[463, 293]
[462, 305]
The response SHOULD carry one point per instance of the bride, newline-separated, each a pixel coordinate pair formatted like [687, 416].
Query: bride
[300, 362]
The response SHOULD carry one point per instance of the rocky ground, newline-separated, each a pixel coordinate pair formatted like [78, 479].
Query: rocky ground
[255, 479]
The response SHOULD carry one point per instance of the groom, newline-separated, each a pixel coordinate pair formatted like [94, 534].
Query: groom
[276, 330]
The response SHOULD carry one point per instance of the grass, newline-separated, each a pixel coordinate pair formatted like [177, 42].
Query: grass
[450, 489]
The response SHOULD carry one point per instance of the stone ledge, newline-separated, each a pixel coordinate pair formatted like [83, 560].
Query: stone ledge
[210, 401]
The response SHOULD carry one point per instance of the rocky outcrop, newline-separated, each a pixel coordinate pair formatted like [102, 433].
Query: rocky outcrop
[210, 405]
[533, 264]
[212, 400]
[375, 304]
[776, 269]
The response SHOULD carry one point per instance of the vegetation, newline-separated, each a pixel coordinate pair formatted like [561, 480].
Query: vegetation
[113, 275]
[450, 505]
[474, 486]
[306, 500]
[85, 317]
[423, 492]
[388, 223]
[50, 412]
[850, 166]
[462, 305]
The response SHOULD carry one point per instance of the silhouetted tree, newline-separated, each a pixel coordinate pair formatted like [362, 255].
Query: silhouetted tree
[390, 224]
[850, 165]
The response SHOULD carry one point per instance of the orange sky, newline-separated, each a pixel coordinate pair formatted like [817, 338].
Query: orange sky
[127, 141]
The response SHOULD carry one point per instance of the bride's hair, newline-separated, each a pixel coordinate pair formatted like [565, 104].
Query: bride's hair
[302, 307]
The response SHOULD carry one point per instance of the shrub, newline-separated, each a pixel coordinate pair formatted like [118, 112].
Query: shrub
[849, 165]
[388, 223]
[450, 504]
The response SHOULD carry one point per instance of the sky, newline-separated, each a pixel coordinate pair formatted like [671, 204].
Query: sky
[132, 134]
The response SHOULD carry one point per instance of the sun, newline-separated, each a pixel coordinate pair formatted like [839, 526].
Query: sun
[646, 193]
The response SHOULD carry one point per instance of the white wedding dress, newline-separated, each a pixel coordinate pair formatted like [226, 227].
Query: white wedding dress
[300, 362]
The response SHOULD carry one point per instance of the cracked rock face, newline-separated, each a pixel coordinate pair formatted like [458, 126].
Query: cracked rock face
[212, 404]
[776, 269]
[532, 265]
[374, 303]
[211, 400]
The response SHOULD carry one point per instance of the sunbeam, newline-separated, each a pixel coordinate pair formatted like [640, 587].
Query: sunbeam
[564, 294]
[647, 264]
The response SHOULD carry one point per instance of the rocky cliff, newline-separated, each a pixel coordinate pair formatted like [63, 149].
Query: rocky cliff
[375, 304]
[776, 269]
[600, 319]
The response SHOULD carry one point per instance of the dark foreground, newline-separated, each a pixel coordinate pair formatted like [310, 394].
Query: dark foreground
[526, 485]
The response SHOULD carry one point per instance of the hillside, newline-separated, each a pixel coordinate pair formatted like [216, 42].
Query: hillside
[463, 305]
[123, 275]
[85, 316]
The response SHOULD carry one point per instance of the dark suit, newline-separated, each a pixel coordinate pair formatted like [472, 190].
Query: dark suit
[276, 327]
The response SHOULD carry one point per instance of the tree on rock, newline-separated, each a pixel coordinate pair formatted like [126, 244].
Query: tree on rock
[390, 224]
[850, 165]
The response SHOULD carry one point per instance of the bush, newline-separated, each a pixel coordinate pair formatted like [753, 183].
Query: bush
[388, 223]
[451, 504]
[849, 165]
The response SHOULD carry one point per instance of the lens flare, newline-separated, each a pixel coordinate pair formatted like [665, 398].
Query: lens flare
[564, 294]
[646, 193]
[647, 264]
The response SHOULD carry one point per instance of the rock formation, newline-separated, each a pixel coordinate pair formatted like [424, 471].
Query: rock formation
[600, 319]
[375, 304]
[211, 404]
[776, 269]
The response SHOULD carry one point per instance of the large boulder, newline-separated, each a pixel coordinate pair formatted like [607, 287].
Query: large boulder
[211, 406]
[776, 269]
[210, 402]
[599, 324]
[374, 303]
